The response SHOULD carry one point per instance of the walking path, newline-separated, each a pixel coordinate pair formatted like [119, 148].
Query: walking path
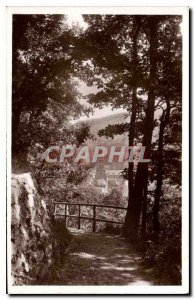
[100, 259]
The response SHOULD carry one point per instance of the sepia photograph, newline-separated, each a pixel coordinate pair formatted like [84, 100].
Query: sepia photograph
[98, 127]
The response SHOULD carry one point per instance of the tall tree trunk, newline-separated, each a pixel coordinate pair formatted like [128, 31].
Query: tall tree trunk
[144, 213]
[156, 223]
[141, 179]
[163, 123]
[132, 130]
[131, 164]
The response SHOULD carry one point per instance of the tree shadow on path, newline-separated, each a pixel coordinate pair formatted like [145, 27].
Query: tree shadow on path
[100, 259]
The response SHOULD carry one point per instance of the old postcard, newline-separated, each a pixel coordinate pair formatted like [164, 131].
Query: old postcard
[98, 126]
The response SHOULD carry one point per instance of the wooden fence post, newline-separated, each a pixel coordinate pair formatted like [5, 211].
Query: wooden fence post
[94, 218]
[79, 223]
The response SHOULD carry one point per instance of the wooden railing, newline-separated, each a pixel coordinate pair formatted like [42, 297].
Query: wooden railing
[79, 217]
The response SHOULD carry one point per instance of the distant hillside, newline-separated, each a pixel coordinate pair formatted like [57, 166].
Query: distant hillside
[101, 123]
[118, 140]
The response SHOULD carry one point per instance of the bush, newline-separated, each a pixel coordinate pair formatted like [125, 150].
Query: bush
[62, 238]
[165, 256]
[112, 228]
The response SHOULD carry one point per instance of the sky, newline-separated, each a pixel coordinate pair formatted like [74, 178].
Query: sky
[73, 19]
[98, 113]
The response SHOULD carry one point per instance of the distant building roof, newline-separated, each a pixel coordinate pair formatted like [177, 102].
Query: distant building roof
[101, 182]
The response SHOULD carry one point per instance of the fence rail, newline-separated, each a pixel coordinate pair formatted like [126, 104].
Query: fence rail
[79, 217]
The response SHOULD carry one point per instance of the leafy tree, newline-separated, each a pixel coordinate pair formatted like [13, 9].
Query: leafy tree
[129, 63]
[169, 91]
[42, 73]
[45, 100]
[112, 46]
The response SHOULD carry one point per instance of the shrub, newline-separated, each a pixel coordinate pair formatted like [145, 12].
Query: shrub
[165, 256]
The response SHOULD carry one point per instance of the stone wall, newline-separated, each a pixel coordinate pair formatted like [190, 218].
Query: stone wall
[32, 241]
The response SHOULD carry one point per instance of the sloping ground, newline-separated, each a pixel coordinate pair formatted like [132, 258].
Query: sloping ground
[100, 259]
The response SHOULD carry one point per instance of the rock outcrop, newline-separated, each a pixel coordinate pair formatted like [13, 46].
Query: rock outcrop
[32, 241]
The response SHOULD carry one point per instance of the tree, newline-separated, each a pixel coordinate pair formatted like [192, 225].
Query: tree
[42, 72]
[169, 91]
[141, 179]
[128, 72]
[125, 54]
[114, 49]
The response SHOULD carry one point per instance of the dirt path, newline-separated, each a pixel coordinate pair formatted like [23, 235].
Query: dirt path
[100, 259]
